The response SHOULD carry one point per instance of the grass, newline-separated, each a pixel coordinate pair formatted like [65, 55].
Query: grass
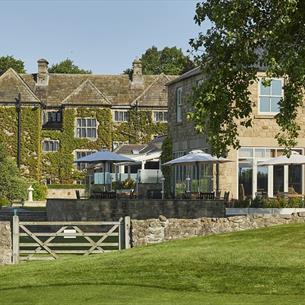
[265, 266]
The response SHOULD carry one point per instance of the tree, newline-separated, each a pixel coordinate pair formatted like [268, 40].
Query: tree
[246, 36]
[7, 62]
[168, 61]
[67, 66]
[166, 155]
[12, 185]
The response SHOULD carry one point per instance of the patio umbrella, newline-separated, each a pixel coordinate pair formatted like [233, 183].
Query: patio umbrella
[294, 159]
[103, 156]
[195, 157]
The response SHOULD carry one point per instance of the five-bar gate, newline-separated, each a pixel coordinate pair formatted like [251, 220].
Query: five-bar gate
[45, 240]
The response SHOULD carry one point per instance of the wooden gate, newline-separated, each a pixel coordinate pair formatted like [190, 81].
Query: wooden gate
[46, 240]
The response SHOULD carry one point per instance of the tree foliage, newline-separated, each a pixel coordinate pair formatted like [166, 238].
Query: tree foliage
[169, 61]
[7, 62]
[12, 185]
[246, 36]
[67, 66]
[166, 155]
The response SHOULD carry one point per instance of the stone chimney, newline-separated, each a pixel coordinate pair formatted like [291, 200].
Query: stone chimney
[137, 76]
[43, 74]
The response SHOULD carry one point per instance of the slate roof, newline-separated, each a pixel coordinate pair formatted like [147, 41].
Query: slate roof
[186, 75]
[127, 149]
[90, 89]
[153, 146]
[11, 84]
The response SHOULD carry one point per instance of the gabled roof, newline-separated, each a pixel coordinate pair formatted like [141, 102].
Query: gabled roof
[11, 84]
[155, 94]
[116, 88]
[87, 94]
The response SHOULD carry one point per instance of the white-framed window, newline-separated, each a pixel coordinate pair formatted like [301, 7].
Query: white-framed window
[270, 95]
[160, 116]
[50, 145]
[121, 116]
[80, 154]
[179, 104]
[86, 128]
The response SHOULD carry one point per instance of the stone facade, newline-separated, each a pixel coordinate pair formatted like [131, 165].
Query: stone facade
[103, 210]
[64, 116]
[5, 243]
[260, 135]
[150, 231]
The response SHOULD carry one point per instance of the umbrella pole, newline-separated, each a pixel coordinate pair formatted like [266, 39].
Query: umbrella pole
[104, 176]
[198, 183]
[217, 178]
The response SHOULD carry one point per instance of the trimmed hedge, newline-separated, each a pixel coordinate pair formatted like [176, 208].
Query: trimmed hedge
[66, 186]
[280, 202]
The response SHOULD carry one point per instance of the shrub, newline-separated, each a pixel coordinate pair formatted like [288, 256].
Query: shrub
[40, 191]
[279, 202]
[128, 184]
[4, 202]
[66, 186]
[12, 185]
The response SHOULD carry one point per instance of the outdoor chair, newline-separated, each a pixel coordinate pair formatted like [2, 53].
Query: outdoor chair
[226, 197]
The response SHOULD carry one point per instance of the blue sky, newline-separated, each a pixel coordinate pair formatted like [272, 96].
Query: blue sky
[103, 36]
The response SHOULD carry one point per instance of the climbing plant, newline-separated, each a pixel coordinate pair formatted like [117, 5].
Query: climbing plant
[59, 166]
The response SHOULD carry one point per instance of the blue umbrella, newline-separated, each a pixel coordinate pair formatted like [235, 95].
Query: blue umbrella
[104, 156]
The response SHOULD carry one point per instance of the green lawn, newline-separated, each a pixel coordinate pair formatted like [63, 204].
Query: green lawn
[265, 266]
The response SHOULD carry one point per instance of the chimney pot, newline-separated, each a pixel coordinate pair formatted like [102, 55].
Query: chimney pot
[137, 76]
[43, 74]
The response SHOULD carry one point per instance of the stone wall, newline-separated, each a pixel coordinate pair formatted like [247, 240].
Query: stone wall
[64, 193]
[5, 243]
[152, 231]
[94, 209]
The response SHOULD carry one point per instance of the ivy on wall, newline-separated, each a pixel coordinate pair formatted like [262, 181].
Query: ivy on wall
[30, 137]
[139, 129]
[59, 166]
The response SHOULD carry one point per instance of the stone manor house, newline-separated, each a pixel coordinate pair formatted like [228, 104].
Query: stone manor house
[67, 116]
[243, 177]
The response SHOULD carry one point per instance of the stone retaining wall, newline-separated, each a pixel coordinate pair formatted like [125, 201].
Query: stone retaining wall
[113, 209]
[5, 243]
[152, 231]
